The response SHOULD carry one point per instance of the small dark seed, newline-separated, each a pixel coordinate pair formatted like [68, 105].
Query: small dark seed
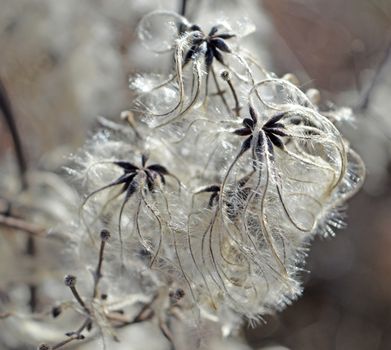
[70, 280]
[56, 311]
[105, 235]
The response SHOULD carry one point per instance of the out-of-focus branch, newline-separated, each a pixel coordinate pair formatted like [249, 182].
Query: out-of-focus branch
[20, 224]
[182, 10]
[6, 109]
[366, 99]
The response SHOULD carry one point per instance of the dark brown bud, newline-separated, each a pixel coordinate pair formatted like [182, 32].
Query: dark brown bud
[70, 280]
[225, 75]
[44, 347]
[105, 235]
[56, 311]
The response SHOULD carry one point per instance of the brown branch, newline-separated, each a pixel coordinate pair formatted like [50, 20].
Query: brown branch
[6, 109]
[182, 10]
[70, 281]
[104, 236]
[226, 77]
[22, 225]
[366, 99]
[76, 335]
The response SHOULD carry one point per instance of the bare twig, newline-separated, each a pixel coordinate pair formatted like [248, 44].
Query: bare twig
[220, 92]
[182, 10]
[104, 236]
[76, 335]
[366, 99]
[165, 329]
[20, 224]
[6, 109]
[116, 319]
[9, 117]
[226, 76]
[5, 315]
[70, 281]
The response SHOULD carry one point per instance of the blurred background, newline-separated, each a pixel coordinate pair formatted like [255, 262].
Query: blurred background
[342, 48]
[63, 63]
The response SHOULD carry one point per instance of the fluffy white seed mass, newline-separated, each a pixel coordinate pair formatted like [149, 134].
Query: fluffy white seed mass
[223, 178]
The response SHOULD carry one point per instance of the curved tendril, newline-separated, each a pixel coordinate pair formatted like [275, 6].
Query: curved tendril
[252, 60]
[279, 191]
[195, 260]
[191, 124]
[298, 194]
[137, 220]
[263, 196]
[178, 106]
[245, 253]
[220, 92]
[197, 73]
[197, 76]
[209, 230]
[188, 280]
[160, 229]
[334, 181]
[212, 255]
[164, 83]
[81, 210]
[89, 168]
[255, 190]
[341, 152]
[102, 210]
[286, 211]
[176, 16]
[154, 88]
[361, 166]
[247, 68]
[186, 277]
[217, 268]
[204, 235]
[321, 119]
[120, 232]
[264, 225]
[227, 261]
[281, 82]
[210, 157]
[253, 257]
[307, 161]
[236, 159]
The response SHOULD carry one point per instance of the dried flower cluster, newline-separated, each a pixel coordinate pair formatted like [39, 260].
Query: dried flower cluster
[225, 178]
[206, 193]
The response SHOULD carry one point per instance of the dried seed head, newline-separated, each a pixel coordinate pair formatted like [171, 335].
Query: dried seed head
[313, 95]
[225, 75]
[56, 311]
[44, 347]
[75, 335]
[292, 79]
[105, 235]
[176, 295]
[70, 280]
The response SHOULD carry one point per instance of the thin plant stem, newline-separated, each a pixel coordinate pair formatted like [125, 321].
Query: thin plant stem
[182, 10]
[366, 99]
[105, 235]
[22, 225]
[9, 117]
[227, 78]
